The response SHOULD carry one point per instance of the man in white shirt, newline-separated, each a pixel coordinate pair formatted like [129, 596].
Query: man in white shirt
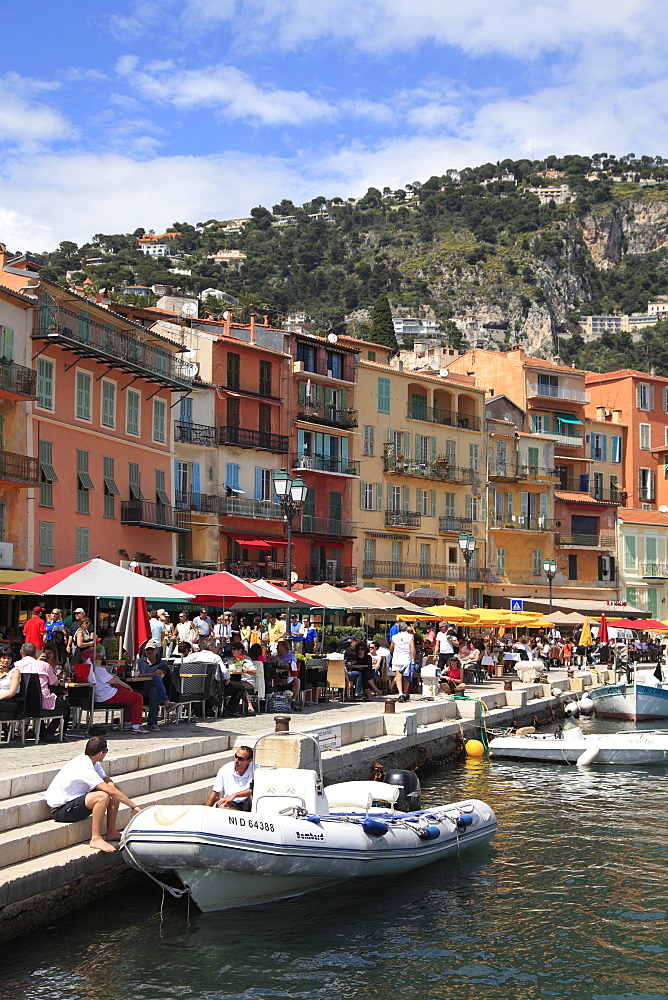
[30, 664]
[446, 645]
[203, 623]
[233, 691]
[81, 789]
[233, 785]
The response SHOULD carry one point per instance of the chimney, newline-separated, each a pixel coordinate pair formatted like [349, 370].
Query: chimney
[266, 320]
[600, 412]
[616, 416]
[4, 256]
[252, 328]
[227, 329]
[652, 371]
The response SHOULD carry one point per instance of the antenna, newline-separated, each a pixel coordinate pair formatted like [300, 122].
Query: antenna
[332, 338]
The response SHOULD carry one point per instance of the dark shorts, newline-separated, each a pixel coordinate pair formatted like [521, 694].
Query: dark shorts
[73, 811]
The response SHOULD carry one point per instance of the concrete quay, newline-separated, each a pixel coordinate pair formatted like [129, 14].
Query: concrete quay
[47, 869]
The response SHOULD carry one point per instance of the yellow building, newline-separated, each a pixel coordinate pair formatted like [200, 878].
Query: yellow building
[423, 467]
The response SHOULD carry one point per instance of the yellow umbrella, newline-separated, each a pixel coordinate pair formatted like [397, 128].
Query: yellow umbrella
[586, 638]
[450, 613]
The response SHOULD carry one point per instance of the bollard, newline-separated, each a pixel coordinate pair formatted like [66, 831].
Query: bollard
[507, 683]
[282, 723]
[389, 706]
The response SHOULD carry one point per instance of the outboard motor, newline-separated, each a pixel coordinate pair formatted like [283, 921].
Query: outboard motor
[409, 796]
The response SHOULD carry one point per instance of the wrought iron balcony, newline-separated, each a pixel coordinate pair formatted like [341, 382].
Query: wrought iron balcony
[241, 507]
[456, 525]
[537, 472]
[390, 570]
[558, 392]
[330, 415]
[522, 522]
[245, 437]
[257, 570]
[440, 469]
[144, 514]
[332, 573]
[585, 541]
[655, 571]
[504, 470]
[323, 463]
[21, 470]
[445, 418]
[326, 526]
[402, 519]
[188, 433]
[16, 381]
[343, 371]
[80, 333]
[589, 486]
[202, 502]
[565, 440]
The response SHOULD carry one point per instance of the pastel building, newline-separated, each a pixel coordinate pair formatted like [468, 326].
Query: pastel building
[643, 560]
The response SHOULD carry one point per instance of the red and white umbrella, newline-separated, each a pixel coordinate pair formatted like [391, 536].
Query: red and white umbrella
[229, 591]
[133, 622]
[97, 578]
[603, 630]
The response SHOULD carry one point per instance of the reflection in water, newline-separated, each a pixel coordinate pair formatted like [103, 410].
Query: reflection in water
[570, 901]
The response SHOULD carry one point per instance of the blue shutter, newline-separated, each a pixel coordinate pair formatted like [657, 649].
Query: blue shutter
[231, 474]
[177, 478]
[592, 446]
[196, 484]
[258, 482]
[604, 447]
[300, 443]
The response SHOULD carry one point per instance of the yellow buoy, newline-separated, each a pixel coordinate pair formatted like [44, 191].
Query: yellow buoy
[474, 748]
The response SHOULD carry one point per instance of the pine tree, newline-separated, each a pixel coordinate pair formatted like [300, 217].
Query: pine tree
[382, 327]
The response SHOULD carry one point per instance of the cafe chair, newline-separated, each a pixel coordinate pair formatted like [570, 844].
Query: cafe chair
[15, 719]
[190, 682]
[337, 676]
[34, 711]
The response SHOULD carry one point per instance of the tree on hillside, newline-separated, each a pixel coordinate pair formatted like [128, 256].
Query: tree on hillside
[382, 327]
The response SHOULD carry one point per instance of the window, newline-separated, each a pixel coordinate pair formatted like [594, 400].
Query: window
[233, 367]
[501, 458]
[108, 418]
[616, 448]
[306, 355]
[421, 449]
[46, 543]
[232, 406]
[111, 490]
[472, 507]
[383, 395]
[7, 343]
[572, 567]
[264, 423]
[84, 483]
[83, 327]
[540, 423]
[532, 458]
[82, 545]
[423, 502]
[395, 498]
[396, 559]
[537, 567]
[645, 436]
[132, 413]
[45, 386]
[646, 484]
[645, 396]
[134, 487]
[369, 433]
[632, 596]
[371, 355]
[473, 457]
[418, 406]
[186, 409]
[501, 561]
[232, 476]
[161, 495]
[598, 485]
[264, 483]
[371, 496]
[630, 560]
[452, 555]
[334, 364]
[84, 390]
[369, 557]
[47, 474]
[425, 558]
[598, 447]
[265, 378]
[159, 421]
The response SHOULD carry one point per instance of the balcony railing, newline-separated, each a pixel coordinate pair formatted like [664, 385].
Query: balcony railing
[19, 469]
[16, 380]
[537, 472]
[257, 570]
[199, 434]
[592, 489]
[240, 507]
[331, 574]
[503, 470]
[390, 570]
[558, 392]
[144, 514]
[87, 337]
[402, 519]
[585, 541]
[326, 526]
[646, 494]
[336, 416]
[202, 502]
[439, 469]
[345, 371]
[526, 522]
[566, 440]
[656, 571]
[455, 524]
[245, 437]
[445, 418]
[323, 463]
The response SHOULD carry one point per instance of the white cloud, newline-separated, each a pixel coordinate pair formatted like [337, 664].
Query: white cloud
[25, 121]
[225, 88]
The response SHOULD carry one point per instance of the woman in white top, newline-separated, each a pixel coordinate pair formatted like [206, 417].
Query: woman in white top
[402, 649]
[10, 678]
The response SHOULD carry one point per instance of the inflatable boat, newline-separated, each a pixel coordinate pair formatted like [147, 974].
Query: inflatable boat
[299, 836]
[572, 746]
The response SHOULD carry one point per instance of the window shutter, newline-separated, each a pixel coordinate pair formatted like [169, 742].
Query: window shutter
[650, 397]
[524, 505]
[483, 509]
[196, 479]
[406, 492]
[418, 499]
[592, 446]
[604, 447]
[379, 496]
[407, 444]
[509, 498]
[532, 454]
[468, 506]
[362, 495]
[301, 393]
[8, 346]
[543, 504]
[433, 503]
[650, 480]
[258, 480]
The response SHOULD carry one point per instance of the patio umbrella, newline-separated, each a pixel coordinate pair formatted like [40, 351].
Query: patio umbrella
[647, 625]
[98, 578]
[425, 594]
[603, 630]
[566, 618]
[387, 602]
[336, 599]
[229, 590]
[133, 623]
[450, 613]
[586, 638]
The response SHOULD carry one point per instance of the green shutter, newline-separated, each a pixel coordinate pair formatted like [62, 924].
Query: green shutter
[433, 503]
[379, 496]
[406, 494]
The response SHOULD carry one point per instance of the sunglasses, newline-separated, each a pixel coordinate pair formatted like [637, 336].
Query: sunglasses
[237, 757]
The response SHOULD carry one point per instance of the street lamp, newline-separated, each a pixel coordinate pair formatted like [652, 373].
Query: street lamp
[550, 570]
[467, 544]
[291, 495]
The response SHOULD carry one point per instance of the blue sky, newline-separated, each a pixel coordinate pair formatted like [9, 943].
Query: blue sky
[127, 114]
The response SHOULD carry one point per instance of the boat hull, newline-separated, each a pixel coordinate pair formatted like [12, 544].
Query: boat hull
[229, 859]
[611, 748]
[635, 703]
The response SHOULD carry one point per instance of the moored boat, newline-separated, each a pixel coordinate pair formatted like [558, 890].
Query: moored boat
[641, 699]
[299, 836]
[572, 746]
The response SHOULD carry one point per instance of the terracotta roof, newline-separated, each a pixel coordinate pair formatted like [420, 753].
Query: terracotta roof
[629, 516]
[530, 362]
[463, 380]
[620, 374]
[569, 496]
[532, 434]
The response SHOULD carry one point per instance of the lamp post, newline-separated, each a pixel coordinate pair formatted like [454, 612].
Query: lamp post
[550, 570]
[291, 495]
[467, 544]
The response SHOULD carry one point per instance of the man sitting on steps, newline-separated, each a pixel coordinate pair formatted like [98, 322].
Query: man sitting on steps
[81, 788]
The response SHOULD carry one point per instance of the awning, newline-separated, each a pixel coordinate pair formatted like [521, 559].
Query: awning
[568, 418]
[277, 543]
[9, 576]
[250, 543]
[234, 489]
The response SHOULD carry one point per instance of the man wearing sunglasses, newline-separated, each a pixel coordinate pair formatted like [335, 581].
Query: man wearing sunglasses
[233, 785]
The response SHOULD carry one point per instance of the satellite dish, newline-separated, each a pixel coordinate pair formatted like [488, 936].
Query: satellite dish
[332, 338]
[191, 353]
[433, 365]
[226, 314]
[663, 509]
[444, 373]
[294, 577]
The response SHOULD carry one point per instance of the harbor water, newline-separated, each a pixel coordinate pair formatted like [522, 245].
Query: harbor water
[570, 901]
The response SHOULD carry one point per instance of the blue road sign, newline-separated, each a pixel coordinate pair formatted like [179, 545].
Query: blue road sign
[517, 605]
